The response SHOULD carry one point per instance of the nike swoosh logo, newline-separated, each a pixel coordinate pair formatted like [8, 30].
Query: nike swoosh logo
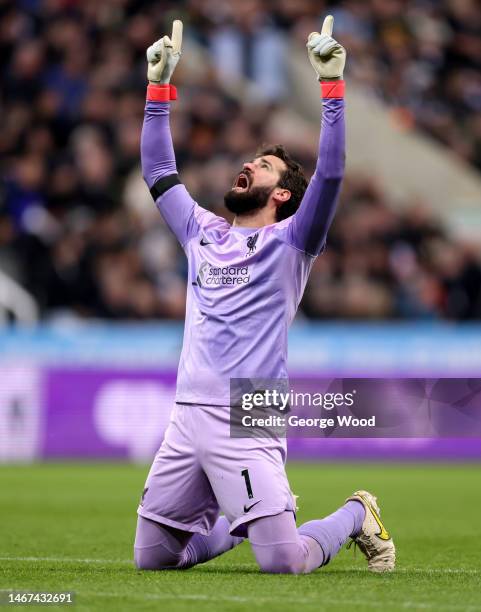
[204, 242]
[247, 508]
[383, 534]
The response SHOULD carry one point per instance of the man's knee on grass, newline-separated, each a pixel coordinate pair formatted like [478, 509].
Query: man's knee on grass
[156, 558]
[158, 546]
[276, 544]
[280, 558]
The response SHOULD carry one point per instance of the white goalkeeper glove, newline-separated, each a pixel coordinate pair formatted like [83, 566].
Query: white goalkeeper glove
[326, 55]
[163, 56]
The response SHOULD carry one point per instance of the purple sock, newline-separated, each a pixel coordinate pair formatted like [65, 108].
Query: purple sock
[334, 530]
[203, 548]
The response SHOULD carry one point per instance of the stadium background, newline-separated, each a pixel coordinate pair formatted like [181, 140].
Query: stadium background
[92, 284]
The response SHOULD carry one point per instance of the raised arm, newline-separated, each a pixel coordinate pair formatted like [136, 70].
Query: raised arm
[156, 149]
[310, 224]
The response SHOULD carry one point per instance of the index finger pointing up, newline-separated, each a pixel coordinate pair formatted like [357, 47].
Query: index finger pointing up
[327, 26]
[177, 36]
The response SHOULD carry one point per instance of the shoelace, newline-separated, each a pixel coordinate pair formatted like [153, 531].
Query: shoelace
[350, 545]
[366, 547]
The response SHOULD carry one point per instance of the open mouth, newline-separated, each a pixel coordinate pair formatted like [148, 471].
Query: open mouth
[242, 182]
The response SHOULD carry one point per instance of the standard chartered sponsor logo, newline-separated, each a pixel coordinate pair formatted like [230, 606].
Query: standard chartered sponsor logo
[209, 276]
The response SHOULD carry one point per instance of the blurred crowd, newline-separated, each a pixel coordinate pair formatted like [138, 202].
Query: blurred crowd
[422, 57]
[383, 263]
[78, 228]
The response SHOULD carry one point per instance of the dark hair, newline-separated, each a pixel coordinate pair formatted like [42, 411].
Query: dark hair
[292, 179]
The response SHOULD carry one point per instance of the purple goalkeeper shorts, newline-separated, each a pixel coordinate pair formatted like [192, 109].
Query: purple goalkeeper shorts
[200, 470]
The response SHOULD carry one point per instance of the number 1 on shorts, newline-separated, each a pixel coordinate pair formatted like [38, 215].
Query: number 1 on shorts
[245, 473]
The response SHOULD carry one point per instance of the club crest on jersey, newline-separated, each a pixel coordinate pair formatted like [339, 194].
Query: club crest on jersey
[252, 244]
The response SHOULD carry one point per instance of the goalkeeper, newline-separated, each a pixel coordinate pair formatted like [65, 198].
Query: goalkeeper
[245, 282]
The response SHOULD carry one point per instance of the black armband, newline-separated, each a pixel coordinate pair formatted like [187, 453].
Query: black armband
[163, 185]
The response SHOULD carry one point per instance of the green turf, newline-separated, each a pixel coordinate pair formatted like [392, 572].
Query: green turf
[70, 527]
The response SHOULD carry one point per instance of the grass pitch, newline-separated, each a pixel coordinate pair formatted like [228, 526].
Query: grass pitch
[71, 527]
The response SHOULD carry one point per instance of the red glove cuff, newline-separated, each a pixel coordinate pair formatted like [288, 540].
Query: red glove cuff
[332, 89]
[161, 93]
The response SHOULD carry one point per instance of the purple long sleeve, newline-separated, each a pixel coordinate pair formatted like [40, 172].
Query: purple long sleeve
[156, 148]
[181, 213]
[310, 224]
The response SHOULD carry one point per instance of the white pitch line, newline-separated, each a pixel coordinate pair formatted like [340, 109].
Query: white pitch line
[68, 560]
[401, 570]
[260, 601]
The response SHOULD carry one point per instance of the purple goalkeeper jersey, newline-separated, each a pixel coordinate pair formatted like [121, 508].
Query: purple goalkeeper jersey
[244, 284]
